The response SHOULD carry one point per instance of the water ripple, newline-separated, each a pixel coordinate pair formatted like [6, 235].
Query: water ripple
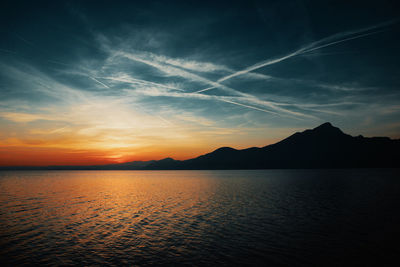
[278, 218]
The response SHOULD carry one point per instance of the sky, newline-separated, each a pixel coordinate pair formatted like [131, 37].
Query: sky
[97, 82]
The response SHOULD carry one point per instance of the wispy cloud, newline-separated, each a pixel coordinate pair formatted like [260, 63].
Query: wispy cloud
[34, 81]
[187, 64]
[111, 78]
[174, 71]
[23, 117]
[325, 42]
[150, 85]
[125, 78]
[247, 101]
[164, 68]
[190, 70]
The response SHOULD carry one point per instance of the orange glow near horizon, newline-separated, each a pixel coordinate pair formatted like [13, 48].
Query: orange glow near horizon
[132, 91]
[39, 155]
[20, 156]
[87, 134]
[100, 132]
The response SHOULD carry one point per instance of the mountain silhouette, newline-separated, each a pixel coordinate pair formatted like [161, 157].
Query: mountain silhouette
[325, 146]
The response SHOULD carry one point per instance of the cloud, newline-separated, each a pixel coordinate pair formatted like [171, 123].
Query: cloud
[103, 84]
[181, 68]
[31, 81]
[184, 69]
[247, 106]
[23, 117]
[125, 78]
[167, 69]
[262, 105]
[173, 71]
[325, 42]
[126, 110]
[187, 64]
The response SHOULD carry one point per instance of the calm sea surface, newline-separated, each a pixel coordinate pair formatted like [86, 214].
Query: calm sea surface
[267, 218]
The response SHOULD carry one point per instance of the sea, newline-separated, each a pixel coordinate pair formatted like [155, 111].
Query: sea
[338, 217]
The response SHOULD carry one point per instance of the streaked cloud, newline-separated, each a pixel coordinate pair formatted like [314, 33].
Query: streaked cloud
[322, 43]
[149, 84]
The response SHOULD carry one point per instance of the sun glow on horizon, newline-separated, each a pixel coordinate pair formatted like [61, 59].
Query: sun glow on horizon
[92, 130]
[145, 87]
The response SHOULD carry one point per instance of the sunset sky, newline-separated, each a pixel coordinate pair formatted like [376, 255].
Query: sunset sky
[95, 82]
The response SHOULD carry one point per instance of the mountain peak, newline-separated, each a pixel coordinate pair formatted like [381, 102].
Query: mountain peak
[224, 149]
[325, 146]
[327, 127]
[167, 160]
[320, 134]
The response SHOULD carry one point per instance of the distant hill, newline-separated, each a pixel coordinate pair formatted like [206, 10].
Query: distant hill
[325, 146]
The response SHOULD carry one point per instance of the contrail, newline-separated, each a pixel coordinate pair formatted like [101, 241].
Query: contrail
[258, 65]
[308, 48]
[105, 85]
[139, 81]
[341, 41]
[295, 115]
[280, 109]
[254, 67]
[205, 89]
[171, 70]
[188, 75]
[247, 106]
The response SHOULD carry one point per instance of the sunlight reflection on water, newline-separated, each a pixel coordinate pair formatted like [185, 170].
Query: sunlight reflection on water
[186, 217]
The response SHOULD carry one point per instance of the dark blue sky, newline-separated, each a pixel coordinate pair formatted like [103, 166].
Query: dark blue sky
[238, 73]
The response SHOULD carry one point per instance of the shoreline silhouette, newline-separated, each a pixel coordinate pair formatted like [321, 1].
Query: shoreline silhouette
[325, 146]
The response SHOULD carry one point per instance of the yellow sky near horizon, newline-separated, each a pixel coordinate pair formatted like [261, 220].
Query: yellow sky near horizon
[90, 135]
